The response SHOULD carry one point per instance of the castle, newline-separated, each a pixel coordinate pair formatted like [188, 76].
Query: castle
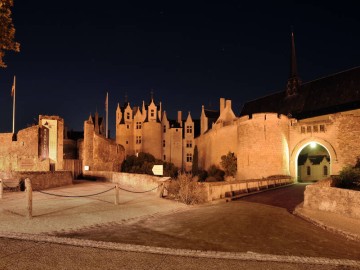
[272, 132]
[147, 129]
[308, 131]
[269, 137]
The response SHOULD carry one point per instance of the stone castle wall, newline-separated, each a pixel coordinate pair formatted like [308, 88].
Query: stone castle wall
[108, 156]
[338, 135]
[216, 143]
[100, 153]
[262, 146]
[22, 154]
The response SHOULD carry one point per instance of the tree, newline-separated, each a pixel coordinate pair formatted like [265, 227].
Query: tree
[7, 31]
[195, 164]
[229, 164]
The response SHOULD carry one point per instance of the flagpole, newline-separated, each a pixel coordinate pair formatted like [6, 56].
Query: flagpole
[107, 115]
[14, 93]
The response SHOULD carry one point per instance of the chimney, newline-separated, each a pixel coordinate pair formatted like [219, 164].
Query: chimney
[222, 104]
[228, 104]
[179, 117]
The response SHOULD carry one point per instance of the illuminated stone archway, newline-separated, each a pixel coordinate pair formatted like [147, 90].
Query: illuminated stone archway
[304, 143]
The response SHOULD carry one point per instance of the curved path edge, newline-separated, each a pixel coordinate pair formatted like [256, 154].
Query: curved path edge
[244, 256]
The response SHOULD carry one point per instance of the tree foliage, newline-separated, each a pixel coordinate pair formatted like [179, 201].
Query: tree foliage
[229, 164]
[143, 164]
[7, 31]
[195, 164]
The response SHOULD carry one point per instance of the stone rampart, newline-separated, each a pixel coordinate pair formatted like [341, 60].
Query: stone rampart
[262, 146]
[216, 143]
[330, 199]
[40, 180]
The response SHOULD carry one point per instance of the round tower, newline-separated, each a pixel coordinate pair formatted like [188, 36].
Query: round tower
[263, 146]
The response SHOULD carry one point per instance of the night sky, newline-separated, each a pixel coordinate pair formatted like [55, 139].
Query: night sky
[189, 53]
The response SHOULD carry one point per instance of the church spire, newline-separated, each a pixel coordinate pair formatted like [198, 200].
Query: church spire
[293, 83]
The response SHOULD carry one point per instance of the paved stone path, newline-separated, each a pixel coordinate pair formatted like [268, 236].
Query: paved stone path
[238, 226]
[253, 232]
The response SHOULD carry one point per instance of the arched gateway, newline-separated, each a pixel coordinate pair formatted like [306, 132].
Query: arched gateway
[301, 160]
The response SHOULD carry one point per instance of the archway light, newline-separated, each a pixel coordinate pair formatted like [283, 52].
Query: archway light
[313, 144]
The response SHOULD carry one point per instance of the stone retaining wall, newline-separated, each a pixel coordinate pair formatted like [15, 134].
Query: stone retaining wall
[40, 180]
[137, 182]
[330, 199]
[220, 190]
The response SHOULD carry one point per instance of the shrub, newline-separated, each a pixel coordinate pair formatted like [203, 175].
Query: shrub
[202, 175]
[143, 164]
[186, 189]
[349, 177]
[215, 172]
[229, 164]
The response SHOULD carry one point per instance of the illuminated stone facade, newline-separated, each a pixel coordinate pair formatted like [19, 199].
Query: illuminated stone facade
[147, 129]
[272, 131]
[97, 152]
[30, 150]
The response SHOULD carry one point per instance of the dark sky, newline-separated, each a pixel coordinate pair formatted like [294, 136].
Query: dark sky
[189, 53]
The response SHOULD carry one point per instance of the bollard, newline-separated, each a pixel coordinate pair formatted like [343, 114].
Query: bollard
[1, 188]
[162, 189]
[28, 190]
[116, 194]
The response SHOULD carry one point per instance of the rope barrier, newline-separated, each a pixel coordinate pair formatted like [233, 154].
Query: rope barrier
[139, 191]
[75, 196]
[81, 196]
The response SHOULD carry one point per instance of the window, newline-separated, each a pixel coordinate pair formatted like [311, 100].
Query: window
[188, 157]
[325, 170]
[302, 129]
[138, 139]
[163, 143]
[127, 142]
[164, 130]
[128, 115]
[164, 157]
[322, 128]
[127, 126]
[315, 128]
[308, 129]
[188, 129]
[152, 113]
[308, 170]
[138, 125]
[189, 144]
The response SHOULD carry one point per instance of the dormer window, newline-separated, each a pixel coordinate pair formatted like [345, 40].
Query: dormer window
[128, 115]
[152, 113]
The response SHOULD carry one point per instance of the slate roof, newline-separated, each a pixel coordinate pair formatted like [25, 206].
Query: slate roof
[315, 160]
[335, 93]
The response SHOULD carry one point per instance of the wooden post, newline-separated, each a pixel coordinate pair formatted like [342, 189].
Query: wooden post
[1, 188]
[116, 194]
[28, 189]
[162, 189]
